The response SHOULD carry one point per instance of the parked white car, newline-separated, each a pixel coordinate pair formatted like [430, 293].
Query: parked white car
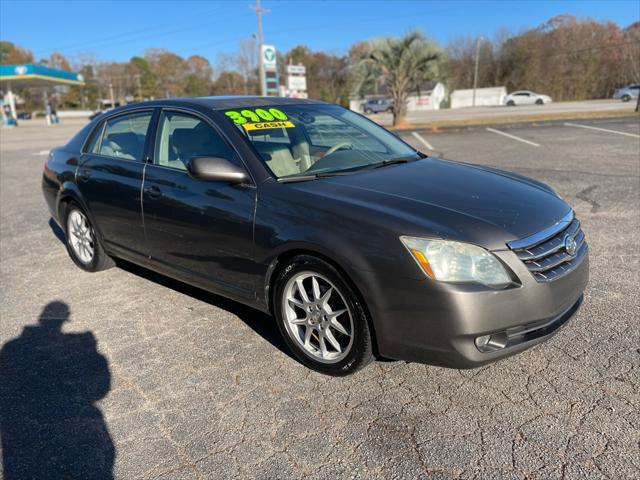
[525, 97]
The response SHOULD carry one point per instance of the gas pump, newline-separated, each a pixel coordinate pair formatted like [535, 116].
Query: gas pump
[8, 119]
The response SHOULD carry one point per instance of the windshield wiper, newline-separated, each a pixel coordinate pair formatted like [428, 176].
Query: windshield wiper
[304, 178]
[348, 171]
[391, 161]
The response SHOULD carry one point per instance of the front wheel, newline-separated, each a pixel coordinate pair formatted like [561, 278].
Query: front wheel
[626, 98]
[539, 101]
[82, 243]
[511, 103]
[321, 318]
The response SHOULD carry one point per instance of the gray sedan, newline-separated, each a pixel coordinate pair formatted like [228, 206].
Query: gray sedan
[359, 245]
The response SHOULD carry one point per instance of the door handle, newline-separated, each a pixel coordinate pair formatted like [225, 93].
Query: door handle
[84, 174]
[153, 192]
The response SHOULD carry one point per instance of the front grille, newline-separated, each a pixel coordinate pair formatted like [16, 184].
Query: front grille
[545, 253]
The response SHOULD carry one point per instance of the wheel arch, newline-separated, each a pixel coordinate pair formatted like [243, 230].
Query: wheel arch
[280, 262]
[69, 193]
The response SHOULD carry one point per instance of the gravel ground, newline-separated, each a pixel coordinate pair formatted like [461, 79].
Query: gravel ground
[129, 374]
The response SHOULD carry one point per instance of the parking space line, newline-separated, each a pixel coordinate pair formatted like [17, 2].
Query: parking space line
[421, 139]
[513, 137]
[602, 129]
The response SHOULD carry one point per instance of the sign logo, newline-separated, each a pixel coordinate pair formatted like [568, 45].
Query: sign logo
[21, 69]
[269, 55]
[570, 245]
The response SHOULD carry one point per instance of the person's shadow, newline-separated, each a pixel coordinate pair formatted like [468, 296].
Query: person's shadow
[49, 383]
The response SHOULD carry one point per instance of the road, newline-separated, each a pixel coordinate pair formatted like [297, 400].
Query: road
[487, 114]
[128, 370]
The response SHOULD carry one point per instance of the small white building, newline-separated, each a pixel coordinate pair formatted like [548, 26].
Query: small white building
[485, 97]
[427, 100]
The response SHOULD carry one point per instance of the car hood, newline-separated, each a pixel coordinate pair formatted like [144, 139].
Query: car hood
[452, 200]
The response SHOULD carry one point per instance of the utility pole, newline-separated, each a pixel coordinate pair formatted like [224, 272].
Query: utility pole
[259, 12]
[137, 77]
[113, 100]
[475, 75]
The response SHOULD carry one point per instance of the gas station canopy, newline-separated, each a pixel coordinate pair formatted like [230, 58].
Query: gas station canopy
[30, 75]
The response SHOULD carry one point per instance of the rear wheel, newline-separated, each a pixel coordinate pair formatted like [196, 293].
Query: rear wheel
[368, 111]
[539, 101]
[321, 317]
[82, 243]
[511, 103]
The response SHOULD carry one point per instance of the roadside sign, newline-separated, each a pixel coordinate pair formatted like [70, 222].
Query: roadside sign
[297, 69]
[297, 83]
[268, 55]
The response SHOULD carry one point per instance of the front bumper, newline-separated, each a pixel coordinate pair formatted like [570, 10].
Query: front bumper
[437, 323]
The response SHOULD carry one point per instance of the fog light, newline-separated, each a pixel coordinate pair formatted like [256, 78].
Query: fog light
[482, 341]
[491, 343]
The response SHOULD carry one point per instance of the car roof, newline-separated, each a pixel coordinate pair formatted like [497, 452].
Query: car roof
[221, 102]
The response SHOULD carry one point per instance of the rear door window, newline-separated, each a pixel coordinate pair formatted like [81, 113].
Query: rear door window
[92, 145]
[124, 136]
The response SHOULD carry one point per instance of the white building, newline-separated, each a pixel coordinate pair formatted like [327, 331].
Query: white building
[484, 97]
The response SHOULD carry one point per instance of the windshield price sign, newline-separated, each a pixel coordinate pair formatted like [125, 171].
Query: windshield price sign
[260, 118]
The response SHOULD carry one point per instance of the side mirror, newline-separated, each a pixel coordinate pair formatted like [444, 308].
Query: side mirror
[216, 169]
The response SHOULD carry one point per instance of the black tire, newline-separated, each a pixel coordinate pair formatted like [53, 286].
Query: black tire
[626, 98]
[511, 103]
[539, 102]
[360, 353]
[367, 111]
[100, 260]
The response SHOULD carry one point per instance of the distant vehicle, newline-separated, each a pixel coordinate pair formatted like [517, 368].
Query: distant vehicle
[525, 97]
[627, 93]
[377, 106]
[24, 116]
[356, 242]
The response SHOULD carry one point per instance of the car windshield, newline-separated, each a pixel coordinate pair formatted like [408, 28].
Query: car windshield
[307, 141]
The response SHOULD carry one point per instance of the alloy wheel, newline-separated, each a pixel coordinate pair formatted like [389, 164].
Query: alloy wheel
[81, 237]
[317, 317]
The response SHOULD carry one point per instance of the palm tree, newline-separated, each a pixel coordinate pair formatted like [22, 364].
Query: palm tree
[402, 64]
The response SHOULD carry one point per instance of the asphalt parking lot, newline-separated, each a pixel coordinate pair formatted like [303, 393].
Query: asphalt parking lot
[128, 369]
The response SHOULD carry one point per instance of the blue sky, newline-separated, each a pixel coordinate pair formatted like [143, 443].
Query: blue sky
[117, 30]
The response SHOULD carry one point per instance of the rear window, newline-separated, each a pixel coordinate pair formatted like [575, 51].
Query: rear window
[92, 145]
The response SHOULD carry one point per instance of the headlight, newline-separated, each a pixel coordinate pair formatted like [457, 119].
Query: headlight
[448, 261]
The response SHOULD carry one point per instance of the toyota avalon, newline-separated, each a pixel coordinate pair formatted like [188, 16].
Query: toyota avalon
[359, 245]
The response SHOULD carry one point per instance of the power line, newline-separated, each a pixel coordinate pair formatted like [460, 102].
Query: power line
[118, 35]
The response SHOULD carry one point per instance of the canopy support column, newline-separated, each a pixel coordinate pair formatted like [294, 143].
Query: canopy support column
[12, 102]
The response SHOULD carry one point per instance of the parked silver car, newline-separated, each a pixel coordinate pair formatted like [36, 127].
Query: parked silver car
[627, 93]
[526, 97]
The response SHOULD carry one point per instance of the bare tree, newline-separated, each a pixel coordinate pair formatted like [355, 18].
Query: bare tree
[247, 61]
